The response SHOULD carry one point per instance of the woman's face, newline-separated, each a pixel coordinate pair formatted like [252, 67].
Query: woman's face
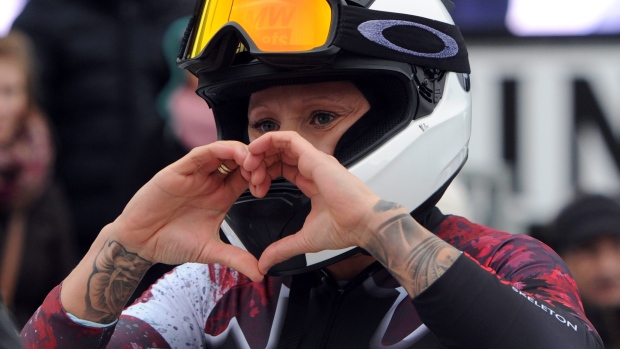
[13, 97]
[320, 112]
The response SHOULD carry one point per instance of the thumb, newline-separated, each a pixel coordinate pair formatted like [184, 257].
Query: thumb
[282, 250]
[238, 259]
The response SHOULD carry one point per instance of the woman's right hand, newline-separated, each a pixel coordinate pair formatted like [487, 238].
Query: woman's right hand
[176, 216]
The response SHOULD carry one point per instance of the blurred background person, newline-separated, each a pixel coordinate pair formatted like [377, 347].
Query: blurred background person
[188, 118]
[34, 214]
[102, 68]
[586, 234]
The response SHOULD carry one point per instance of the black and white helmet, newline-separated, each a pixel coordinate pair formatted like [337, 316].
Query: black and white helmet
[406, 57]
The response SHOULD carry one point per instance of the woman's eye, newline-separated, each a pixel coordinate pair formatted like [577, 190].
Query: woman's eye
[265, 126]
[322, 118]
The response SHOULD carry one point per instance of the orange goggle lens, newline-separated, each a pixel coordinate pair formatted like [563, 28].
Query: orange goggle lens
[272, 25]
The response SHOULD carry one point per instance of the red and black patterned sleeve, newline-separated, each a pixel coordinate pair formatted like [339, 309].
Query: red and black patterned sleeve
[506, 291]
[51, 327]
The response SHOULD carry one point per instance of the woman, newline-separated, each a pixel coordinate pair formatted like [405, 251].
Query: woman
[311, 223]
[35, 235]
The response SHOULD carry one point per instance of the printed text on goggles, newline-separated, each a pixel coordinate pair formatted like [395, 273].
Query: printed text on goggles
[295, 33]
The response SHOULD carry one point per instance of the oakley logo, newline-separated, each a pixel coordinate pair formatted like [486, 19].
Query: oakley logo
[373, 31]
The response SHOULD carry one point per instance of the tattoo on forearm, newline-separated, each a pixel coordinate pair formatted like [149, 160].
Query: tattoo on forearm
[116, 274]
[426, 263]
[416, 259]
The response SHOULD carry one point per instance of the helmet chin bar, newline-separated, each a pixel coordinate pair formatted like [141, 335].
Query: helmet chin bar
[255, 223]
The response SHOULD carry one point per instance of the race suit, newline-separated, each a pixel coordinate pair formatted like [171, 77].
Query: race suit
[506, 291]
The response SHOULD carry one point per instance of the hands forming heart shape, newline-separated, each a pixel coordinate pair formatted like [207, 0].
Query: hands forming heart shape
[175, 217]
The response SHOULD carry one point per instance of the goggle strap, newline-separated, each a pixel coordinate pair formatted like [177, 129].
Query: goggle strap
[436, 44]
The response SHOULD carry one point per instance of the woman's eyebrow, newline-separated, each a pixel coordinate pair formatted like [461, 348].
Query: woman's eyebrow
[327, 97]
[254, 104]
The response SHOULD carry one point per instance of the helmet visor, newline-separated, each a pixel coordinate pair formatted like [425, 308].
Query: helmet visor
[272, 26]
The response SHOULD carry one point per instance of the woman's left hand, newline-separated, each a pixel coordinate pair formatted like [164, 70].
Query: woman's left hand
[342, 204]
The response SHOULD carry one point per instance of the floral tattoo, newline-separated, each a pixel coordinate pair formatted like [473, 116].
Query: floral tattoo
[116, 274]
[415, 257]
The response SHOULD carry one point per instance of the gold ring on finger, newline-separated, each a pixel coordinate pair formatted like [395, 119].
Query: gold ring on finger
[224, 170]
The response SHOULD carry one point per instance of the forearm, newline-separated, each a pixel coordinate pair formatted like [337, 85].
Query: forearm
[99, 287]
[472, 308]
[415, 256]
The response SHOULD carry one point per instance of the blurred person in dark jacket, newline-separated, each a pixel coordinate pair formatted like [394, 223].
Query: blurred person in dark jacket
[586, 234]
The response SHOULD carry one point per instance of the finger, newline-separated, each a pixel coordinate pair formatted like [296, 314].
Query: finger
[263, 176]
[263, 170]
[209, 157]
[237, 183]
[278, 142]
[235, 165]
[224, 170]
[236, 258]
[282, 250]
[259, 174]
[261, 189]
[256, 176]
[236, 179]
[253, 161]
[292, 149]
[247, 175]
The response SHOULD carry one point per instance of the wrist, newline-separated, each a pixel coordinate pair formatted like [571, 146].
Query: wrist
[99, 287]
[386, 217]
[415, 256]
[117, 232]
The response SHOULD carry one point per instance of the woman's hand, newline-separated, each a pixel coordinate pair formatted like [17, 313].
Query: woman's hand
[176, 216]
[341, 203]
[345, 212]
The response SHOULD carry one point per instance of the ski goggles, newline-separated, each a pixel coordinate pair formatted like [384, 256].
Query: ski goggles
[305, 33]
[267, 27]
